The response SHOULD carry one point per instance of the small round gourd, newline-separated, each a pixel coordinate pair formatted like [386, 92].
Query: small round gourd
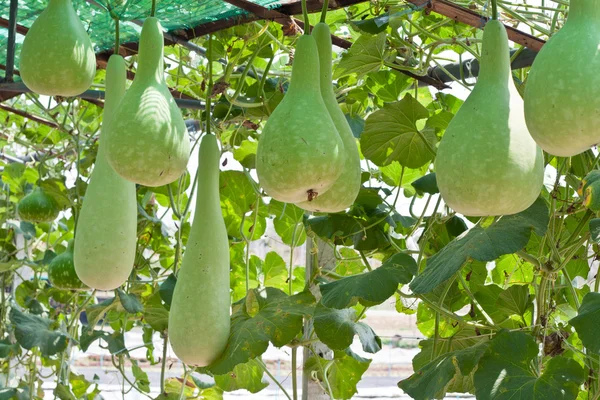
[38, 206]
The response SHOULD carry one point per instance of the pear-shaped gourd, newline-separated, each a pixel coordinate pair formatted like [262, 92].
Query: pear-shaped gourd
[105, 242]
[147, 141]
[345, 189]
[57, 57]
[562, 105]
[487, 163]
[199, 324]
[38, 206]
[61, 271]
[300, 154]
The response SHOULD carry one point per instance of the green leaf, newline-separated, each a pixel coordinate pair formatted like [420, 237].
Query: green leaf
[366, 55]
[247, 376]
[505, 236]
[63, 393]
[80, 385]
[501, 304]
[155, 314]
[278, 321]
[129, 302]
[141, 378]
[391, 134]
[288, 222]
[432, 379]
[274, 271]
[387, 85]
[246, 154]
[587, 322]
[370, 288]
[372, 25]
[336, 328]
[237, 199]
[505, 372]
[34, 331]
[8, 349]
[426, 184]
[166, 289]
[595, 229]
[343, 372]
[95, 312]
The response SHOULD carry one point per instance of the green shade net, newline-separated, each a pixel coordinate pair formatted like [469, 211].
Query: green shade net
[94, 14]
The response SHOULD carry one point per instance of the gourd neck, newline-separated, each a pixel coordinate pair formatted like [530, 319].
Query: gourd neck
[322, 36]
[305, 67]
[55, 4]
[208, 178]
[70, 246]
[583, 10]
[151, 52]
[494, 64]
[116, 77]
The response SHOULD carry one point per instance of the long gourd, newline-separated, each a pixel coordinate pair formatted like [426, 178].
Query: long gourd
[300, 154]
[147, 141]
[561, 94]
[487, 163]
[345, 189]
[57, 56]
[199, 324]
[106, 234]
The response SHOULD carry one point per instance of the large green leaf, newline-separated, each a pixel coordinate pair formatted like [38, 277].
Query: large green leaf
[587, 322]
[130, 302]
[366, 55]
[504, 236]
[238, 198]
[336, 328]
[370, 288]
[34, 331]
[343, 372]
[288, 222]
[505, 372]
[277, 319]
[391, 134]
[433, 379]
[502, 304]
[387, 85]
[247, 376]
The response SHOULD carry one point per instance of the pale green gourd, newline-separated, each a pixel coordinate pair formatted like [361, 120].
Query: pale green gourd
[561, 94]
[57, 57]
[147, 141]
[199, 323]
[487, 163]
[300, 154]
[345, 189]
[105, 242]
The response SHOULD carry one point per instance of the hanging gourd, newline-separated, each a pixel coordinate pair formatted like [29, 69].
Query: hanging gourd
[105, 243]
[38, 206]
[561, 94]
[147, 141]
[57, 57]
[61, 271]
[300, 154]
[487, 163]
[199, 321]
[345, 189]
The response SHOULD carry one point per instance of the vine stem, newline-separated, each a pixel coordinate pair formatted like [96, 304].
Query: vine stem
[117, 38]
[264, 368]
[163, 363]
[324, 10]
[153, 10]
[306, 20]
[294, 373]
[494, 9]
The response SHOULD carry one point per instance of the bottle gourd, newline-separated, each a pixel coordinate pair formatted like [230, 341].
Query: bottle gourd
[38, 206]
[561, 94]
[345, 189]
[57, 57]
[61, 271]
[300, 154]
[487, 164]
[147, 141]
[199, 324]
[105, 243]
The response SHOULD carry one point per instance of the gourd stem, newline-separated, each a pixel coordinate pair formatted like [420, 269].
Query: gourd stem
[324, 10]
[210, 84]
[153, 9]
[306, 20]
[116, 36]
[495, 9]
